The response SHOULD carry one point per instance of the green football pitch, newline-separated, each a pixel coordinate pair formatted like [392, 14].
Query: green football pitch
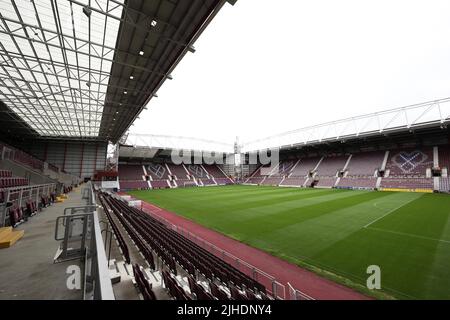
[336, 233]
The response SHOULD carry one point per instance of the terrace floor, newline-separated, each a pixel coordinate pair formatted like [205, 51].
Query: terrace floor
[27, 270]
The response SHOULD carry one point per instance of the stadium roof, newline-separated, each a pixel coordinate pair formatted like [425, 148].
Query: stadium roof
[409, 118]
[433, 115]
[87, 68]
[155, 142]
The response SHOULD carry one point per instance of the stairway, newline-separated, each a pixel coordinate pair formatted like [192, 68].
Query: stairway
[9, 237]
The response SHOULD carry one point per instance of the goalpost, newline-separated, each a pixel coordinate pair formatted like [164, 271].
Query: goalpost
[189, 184]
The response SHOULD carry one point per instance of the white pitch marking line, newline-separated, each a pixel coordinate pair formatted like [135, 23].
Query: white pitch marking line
[409, 235]
[389, 212]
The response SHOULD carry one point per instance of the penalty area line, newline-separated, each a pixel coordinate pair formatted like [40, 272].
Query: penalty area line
[387, 213]
[409, 235]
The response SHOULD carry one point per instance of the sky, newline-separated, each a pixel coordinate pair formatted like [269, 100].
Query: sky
[263, 67]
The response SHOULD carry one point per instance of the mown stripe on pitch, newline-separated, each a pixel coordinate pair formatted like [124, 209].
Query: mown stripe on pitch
[281, 218]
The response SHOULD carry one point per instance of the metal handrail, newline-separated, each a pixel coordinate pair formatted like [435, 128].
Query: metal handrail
[90, 248]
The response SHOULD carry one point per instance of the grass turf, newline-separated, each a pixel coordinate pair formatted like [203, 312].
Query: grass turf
[337, 233]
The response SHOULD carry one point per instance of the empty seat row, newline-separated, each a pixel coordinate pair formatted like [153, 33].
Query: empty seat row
[207, 182]
[142, 246]
[26, 159]
[16, 215]
[5, 173]
[198, 291]
[29, 208]
[222, 181]
[131, 172]
[117, 233]
[358, 182]
[138, 184]
[272, 181]
[10, 182]
[143, 285]
[159, 184]
[444, 184]
[173, 247]
[175, 290]
[407, 183]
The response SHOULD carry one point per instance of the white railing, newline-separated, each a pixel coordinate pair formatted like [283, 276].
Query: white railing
[20, 194]
[295, 294]
[78, 231]
[99, 273]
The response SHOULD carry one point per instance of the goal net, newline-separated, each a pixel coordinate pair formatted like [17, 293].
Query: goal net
[189, 184]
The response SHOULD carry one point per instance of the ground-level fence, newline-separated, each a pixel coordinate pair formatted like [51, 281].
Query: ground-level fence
[295, 294]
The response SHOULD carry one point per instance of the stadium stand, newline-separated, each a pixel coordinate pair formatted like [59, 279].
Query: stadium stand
[214, 171]
[131, 176]
[200, 175]
[28, 160]
[272, 181]
[7, 180]
[256, 180]
[130, 172]
[206, 182]
[128, 185]
[197, 171]
[444, 157]
[299, 174]
[409, 162]
[279, 173]
[217, 174]
[361, 170]
[365, 163]
[144, 286]
[406, 169]
[52, 143]
[407, 183]
[305, 166]
[178, 171]
[256, 177]
[444, 184]
[159, 175]
[365, 182]
[157, 171]
[330, 166]
[294, 181]
[284, 168]
[185, 183]
[328, 169]
[325, 182]
[20, 198]
[117, 233]
[224, 181]
[159, 184]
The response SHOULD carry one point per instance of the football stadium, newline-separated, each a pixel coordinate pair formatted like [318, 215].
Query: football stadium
[355, 208]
